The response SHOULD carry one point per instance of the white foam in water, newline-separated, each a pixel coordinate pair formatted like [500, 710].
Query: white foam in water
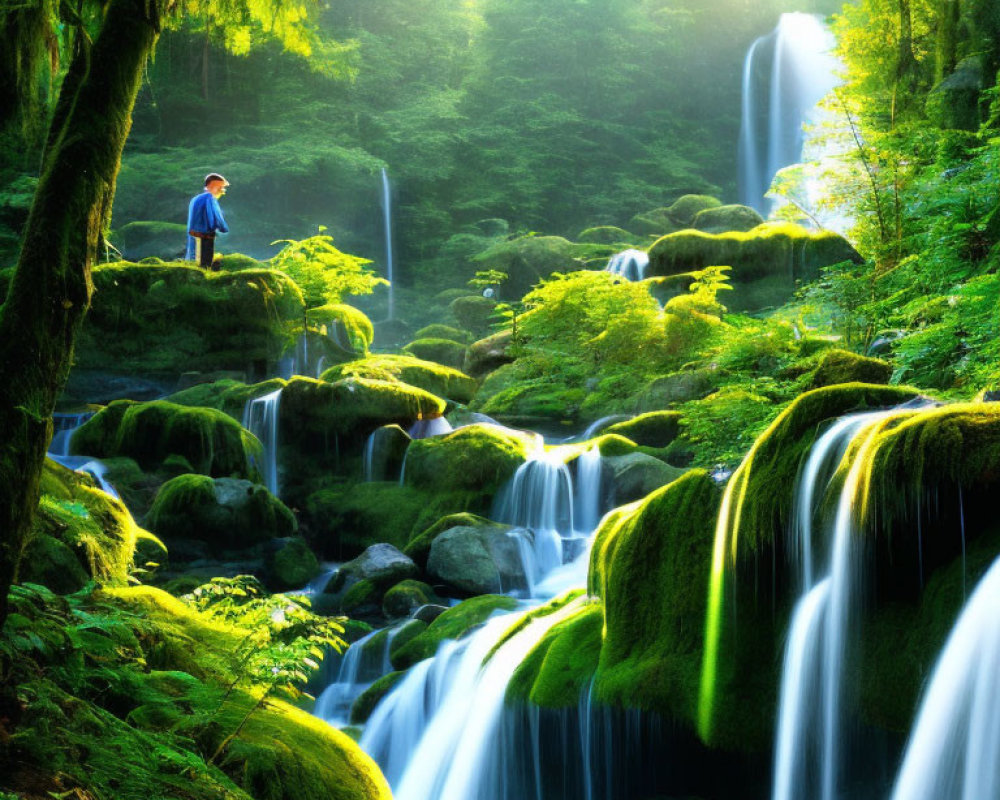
[954, 748]
[629, 264]
[260, 417]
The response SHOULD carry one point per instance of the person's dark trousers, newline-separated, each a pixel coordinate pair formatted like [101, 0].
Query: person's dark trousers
[206, 251]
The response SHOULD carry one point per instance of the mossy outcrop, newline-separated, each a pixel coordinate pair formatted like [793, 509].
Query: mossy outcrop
[651, 429]
[477, 458]
[636, 475]
[678, 387]
[406, 597]
[478, 560]
[437, 330]
[225, 513]
[721, 219]
[529, 259]
[473, 312]
[842, 366]
[370, 697]
[605, 234]
[437, 379]
[174, 318]
[766, 261]
[452, 624]
[441, 351]
[289, 564]
[419, 547]
[211, 441]
[346, 325]
[488, 354]
[228, 395]
[954, 103]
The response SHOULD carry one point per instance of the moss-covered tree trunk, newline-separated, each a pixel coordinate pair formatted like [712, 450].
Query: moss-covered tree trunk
[50, 292]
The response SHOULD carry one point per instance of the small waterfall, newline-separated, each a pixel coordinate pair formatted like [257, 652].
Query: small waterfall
[539, 496]
[587, 496]
[785, 75]
[260, 417]
[368, 459]
[599, 425]
[360, 666]
[64, 426]
[89, 466]
[387, 218]
[629, 264]
[954, 748]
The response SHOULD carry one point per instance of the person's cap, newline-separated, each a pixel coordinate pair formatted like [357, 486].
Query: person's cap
[215, 176]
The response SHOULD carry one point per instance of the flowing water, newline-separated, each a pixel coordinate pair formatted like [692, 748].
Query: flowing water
[629, 264]
[387, 220]
[260, 417]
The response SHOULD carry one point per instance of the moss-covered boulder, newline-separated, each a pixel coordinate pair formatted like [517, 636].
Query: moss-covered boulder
[370, 697]
[211, 441]
[478, 458]
[686, 207]
[452, 624]
[766, 261]
[473, 312]
[528, 259]
[727, 218]
[652, 429]
[678, 387]
[225, 513]
[145, 238]
[842, 366]
[440, 351]
[382, 564]
[637, 474]
[478, 560]
[385, 451]
[488, 354]
[348, 327]
[437, 379]
[655, 222]
[227, 395]
[437, 330]
[509, 397]
[173, 318]
[289, 563]
[406, 597]
[419, 547]
[605, 234]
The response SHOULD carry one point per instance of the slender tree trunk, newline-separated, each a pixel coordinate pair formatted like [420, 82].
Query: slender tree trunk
[50, 291]
[906, 64]
[946, 57]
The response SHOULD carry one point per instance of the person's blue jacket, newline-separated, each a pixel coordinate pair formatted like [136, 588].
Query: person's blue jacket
[204, 216]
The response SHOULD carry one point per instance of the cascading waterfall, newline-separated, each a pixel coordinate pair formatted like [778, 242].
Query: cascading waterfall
[260, 417]
[65, 426]
[629, 264]
[360, 666]
[387, 219]
[785, 75]
[954, 749]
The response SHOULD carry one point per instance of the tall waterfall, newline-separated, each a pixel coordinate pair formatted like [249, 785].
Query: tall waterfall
[954, 749]
[260, 417]
[387, 220]
[785, 75]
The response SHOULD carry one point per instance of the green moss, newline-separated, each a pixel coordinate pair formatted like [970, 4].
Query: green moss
[52, 563]
[613, 444]
[437, 330]
[363, 593]
[352, 323]
[228, 395]
[527, 402]
[605, 234]
[235, 262]
[434, 378]
[452, 624]
[473, 312]
[559, 668]
[174, 318]
[727, 218]
[685, 208]
[405, 597]
[841, 366]
[440, 351]
[419, 546]
[720, 428]
[292, 566]
[366, 702]
[526, 260]
[223, 513]
[475, 458]
[649, 564]
[652, 429]
[211, 441]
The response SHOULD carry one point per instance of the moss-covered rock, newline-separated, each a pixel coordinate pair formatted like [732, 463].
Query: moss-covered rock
[766, 261]
[225, 513]
[452, 624]
[842, 366]
[440, 351]
[76, 519]
[488, 354]
[605, 234]
[211, 441]
[289, 564]
[479, 458]
[507, 396]
[437, 379]
[406, 597]
[363, 600]
[652, 429]
[437, 330]
[235, 262]
[174, 318]
[528, 259]
[370, 697]
[637, 474]
[478, 560]
[686, 207]
[228, 395]
[381, 563]
[384, 453]
[678, 387]
[613, 444]
[419, 546]
[727, 218]
[349, 327]
[473, 312]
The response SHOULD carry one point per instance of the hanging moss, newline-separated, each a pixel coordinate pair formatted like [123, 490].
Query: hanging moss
[452, 624]
[475, 458]
[212, 442]
[434, 378]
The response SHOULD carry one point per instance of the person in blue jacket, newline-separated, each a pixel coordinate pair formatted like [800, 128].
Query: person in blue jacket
[205, 220]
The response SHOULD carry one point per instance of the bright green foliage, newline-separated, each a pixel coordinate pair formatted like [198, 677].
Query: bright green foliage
[476, 458]
[440, 351]
[452, 624]
[212, 442]
[434, 378]
[842, 366]
[325, 274]
[722, 426]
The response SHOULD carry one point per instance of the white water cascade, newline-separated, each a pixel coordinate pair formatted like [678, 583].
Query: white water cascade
[629, 264]
[387, 219]
[65, 425]
[360, 666]
[260, 417]
[954, 749]
[785, 75]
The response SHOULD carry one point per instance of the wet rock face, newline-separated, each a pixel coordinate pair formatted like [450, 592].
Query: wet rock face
[382, 564]
[477, 560]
